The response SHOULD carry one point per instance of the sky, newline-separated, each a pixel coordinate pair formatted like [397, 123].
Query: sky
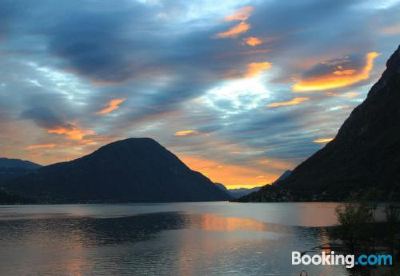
[239, 90]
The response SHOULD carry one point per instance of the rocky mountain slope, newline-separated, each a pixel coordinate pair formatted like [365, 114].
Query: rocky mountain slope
[364, 156]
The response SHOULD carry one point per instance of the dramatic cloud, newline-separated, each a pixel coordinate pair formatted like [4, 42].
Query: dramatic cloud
[71, 131]
[189, 132]
[256, 68]
[339, 77]
[196, 76]
[236, 30]
[240, 15]
[253, 41]
[41, 146]
[111, 106]
[294, 101]
[322, 140]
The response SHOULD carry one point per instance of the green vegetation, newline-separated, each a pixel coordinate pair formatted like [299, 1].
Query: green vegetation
[355, 221]
[367, 227]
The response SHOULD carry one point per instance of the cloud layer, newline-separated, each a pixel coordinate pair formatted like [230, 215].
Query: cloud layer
[219, 85]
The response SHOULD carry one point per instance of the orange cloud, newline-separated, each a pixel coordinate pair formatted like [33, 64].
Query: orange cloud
[347, 72]
[236, 30]
[188, 132]
[253, 41]
[66, 149]
[351, 95]
[348, 95]
[256, 68]
[40, 146]
[72, 132]
[232, 176]
[111, 106]
[294, 101]
[322, 140]
[337, 79]
[241, 14]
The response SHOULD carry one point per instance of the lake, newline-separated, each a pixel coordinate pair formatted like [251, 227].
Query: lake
[202, 238]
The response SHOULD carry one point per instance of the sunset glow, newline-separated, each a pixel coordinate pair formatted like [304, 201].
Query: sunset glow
[72, 132]
[256, 68]
[229, 137]
[338, 78]
[189, 132]
[323, 140]
[294, 101]
[236, 30]
[210, 222]
[111, 106]
[242, 90]
[41, 146]
[253, 41]
[232, 176]
[241, 14]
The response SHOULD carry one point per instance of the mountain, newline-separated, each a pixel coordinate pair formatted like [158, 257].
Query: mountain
[12, 168]
[221, 187]
[283, 176]
[17, 163]
[237, 193]
[131, 170]
[7, 198]
[364, 156]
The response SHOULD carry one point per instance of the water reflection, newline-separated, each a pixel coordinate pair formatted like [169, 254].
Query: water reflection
[212, 222]
[163, 243]
[89, 231]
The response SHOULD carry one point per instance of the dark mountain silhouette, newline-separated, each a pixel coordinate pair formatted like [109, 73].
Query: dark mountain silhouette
[221, 187]
[131, 170]
[17, 163]
[12, 168]
[7, 198]
[283, 176]
[364, 156]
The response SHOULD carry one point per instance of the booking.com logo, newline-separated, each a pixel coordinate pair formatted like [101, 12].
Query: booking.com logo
[347, 260]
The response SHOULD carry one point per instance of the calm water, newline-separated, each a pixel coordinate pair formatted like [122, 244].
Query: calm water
[162, 239]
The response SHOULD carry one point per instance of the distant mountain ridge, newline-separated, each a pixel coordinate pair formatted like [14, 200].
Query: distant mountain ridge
[131, 170]
[364, 156]
[17, 163]
[239, 192]
[12, 168]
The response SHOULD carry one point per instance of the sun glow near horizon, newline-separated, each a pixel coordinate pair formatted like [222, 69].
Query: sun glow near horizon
[230, 175]
[337, 79]
[233, 72]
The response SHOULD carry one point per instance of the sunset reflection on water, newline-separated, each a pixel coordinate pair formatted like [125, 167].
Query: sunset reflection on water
[179, 239]
[211, 222]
